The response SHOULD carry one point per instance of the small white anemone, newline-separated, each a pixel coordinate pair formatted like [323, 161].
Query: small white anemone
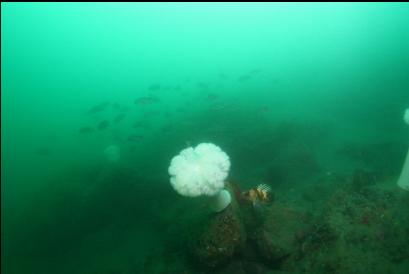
[112, 153]
[403, 181]
[202, 171]
[406, 116]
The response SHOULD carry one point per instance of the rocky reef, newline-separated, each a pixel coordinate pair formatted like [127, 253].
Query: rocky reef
[360, 228]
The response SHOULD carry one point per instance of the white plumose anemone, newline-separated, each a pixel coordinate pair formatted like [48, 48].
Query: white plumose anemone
[202, 171]
[406, 116]
[403, 181]
[220, 201]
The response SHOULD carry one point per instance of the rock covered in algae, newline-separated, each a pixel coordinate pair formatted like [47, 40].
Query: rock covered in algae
[222, 237]
[361, 230]
[280, 233]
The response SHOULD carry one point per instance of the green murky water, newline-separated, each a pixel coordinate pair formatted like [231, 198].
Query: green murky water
[306, 98]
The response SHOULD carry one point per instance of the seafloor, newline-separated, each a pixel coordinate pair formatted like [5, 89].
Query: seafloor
[317, 220]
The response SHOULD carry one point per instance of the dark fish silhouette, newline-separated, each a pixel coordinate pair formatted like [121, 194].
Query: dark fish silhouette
[84, 130]
[150, 114]
[146, 100]
[103, 125]
[135, 138]
[124, 109]
[203, 85]
[264, 109]
[119, 117]
[254, 71]
[140, 124]
[98, 108]
[43, 151]
[223, 76]
[212, 96]
[116, 106]
[244, 78]
[167, 128]
[132, 148]
[154, 87]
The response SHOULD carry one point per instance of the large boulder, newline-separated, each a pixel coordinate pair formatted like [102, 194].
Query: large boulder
[222, 236]
[281, 232]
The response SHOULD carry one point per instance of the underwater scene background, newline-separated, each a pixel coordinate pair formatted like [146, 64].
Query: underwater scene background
[305, 98]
